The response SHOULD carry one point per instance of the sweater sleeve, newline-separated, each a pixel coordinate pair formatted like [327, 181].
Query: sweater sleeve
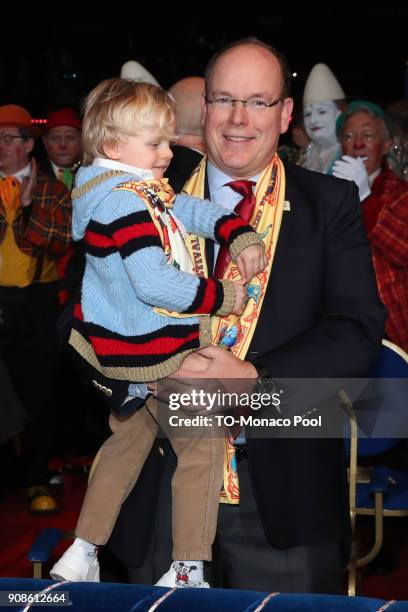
[155, 282]
[204, 218]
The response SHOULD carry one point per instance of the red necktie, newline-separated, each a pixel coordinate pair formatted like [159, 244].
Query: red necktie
[244, 209]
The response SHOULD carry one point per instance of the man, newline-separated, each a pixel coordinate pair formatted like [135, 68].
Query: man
[366, 142]
[320, 317]
[189, 147]
[323, 101]
[35, 230]
[62, 142]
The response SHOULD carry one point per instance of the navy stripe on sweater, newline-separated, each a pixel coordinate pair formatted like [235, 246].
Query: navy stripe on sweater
[113, 349]
[228, 228]
[127, 234]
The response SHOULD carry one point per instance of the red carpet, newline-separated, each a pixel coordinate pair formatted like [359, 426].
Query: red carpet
[19, 528]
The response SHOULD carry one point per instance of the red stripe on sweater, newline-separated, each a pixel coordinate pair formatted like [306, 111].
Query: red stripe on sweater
[158, 346]
[78, 314]
[138, 230]
[228, 227]
[210, 294]
[98, 240]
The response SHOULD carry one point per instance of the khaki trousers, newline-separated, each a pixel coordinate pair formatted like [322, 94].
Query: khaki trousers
[196, 483]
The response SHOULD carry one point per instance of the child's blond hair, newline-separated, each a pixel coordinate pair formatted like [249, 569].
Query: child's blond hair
[117, 108]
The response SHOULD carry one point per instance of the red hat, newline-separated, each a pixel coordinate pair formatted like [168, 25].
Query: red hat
[17, 116]
[64, 116]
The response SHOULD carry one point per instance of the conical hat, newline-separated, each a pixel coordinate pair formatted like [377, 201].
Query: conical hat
[322, 85]
[136, 72]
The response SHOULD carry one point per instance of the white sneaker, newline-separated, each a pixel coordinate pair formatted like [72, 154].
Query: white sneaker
[77, 565]
[177, 576]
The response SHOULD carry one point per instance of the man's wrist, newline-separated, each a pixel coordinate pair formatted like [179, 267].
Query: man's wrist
[264, 383]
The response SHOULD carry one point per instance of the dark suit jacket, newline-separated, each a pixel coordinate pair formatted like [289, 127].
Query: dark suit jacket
[321, 317]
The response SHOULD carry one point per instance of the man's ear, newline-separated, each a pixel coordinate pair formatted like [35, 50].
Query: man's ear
[111, 149]
[286, 114]
[28, 145]
[386, 146]
[203, 110]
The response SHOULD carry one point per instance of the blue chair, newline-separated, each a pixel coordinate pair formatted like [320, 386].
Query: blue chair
[378, 491]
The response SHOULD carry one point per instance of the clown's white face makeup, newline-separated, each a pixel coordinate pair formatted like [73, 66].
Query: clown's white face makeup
[320, 122]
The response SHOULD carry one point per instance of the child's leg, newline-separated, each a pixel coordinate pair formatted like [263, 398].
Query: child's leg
[120, 461]
[196, 488]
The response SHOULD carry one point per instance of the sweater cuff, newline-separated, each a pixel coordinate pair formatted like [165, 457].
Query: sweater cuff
[228, 301]
[243, 241]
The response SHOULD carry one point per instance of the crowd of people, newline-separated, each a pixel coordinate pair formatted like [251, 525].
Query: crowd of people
[179, 246]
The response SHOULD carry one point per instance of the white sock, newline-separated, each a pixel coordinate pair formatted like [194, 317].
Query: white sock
[87, 546]
[191, 570]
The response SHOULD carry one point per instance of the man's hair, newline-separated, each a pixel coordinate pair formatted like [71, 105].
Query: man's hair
[285, 72]
[383, 122]
[25, 133]
[117, 108]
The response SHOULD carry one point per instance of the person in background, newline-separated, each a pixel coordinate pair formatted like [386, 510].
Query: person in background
[35, 231]
[366, 142]
[323, 101]
[397, 120]
[188, 148]
[63, 144]
[136, 72]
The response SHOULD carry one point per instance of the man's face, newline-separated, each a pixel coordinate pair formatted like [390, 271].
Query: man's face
[363, 135]
[63, 145]
[14, 151]
[242, 141]
[320, 122]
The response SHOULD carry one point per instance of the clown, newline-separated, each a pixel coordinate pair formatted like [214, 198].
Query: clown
[323, 101]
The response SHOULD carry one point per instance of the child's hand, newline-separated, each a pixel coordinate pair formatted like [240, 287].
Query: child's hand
[241, 297]
[251, 261]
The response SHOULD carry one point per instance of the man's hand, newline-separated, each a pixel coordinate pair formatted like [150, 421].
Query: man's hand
[353, 169]
[251, 261]
[208, 374]
[28, 185]
[221, 364]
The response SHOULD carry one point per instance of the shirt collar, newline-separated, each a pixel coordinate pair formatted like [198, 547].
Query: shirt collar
[217, 178]
[142, 174]
[26, 171]
[56, 168]
[373, 176]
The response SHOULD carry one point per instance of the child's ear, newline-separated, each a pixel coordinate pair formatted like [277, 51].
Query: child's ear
[112, 149]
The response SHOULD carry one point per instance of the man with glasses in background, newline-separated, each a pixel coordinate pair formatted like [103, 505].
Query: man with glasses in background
[35, 230]
[284, 517]
[366, 142]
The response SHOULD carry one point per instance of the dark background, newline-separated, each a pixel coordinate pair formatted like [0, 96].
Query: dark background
[46, 62]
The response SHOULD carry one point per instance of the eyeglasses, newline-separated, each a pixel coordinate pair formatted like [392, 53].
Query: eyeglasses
[251, 104]
[7, 139]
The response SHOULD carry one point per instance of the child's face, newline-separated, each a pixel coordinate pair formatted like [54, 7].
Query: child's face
[150, 150]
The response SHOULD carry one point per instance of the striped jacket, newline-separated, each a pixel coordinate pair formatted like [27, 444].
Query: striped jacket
[116, 329]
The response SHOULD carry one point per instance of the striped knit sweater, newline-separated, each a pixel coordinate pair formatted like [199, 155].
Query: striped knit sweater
[126, 275]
